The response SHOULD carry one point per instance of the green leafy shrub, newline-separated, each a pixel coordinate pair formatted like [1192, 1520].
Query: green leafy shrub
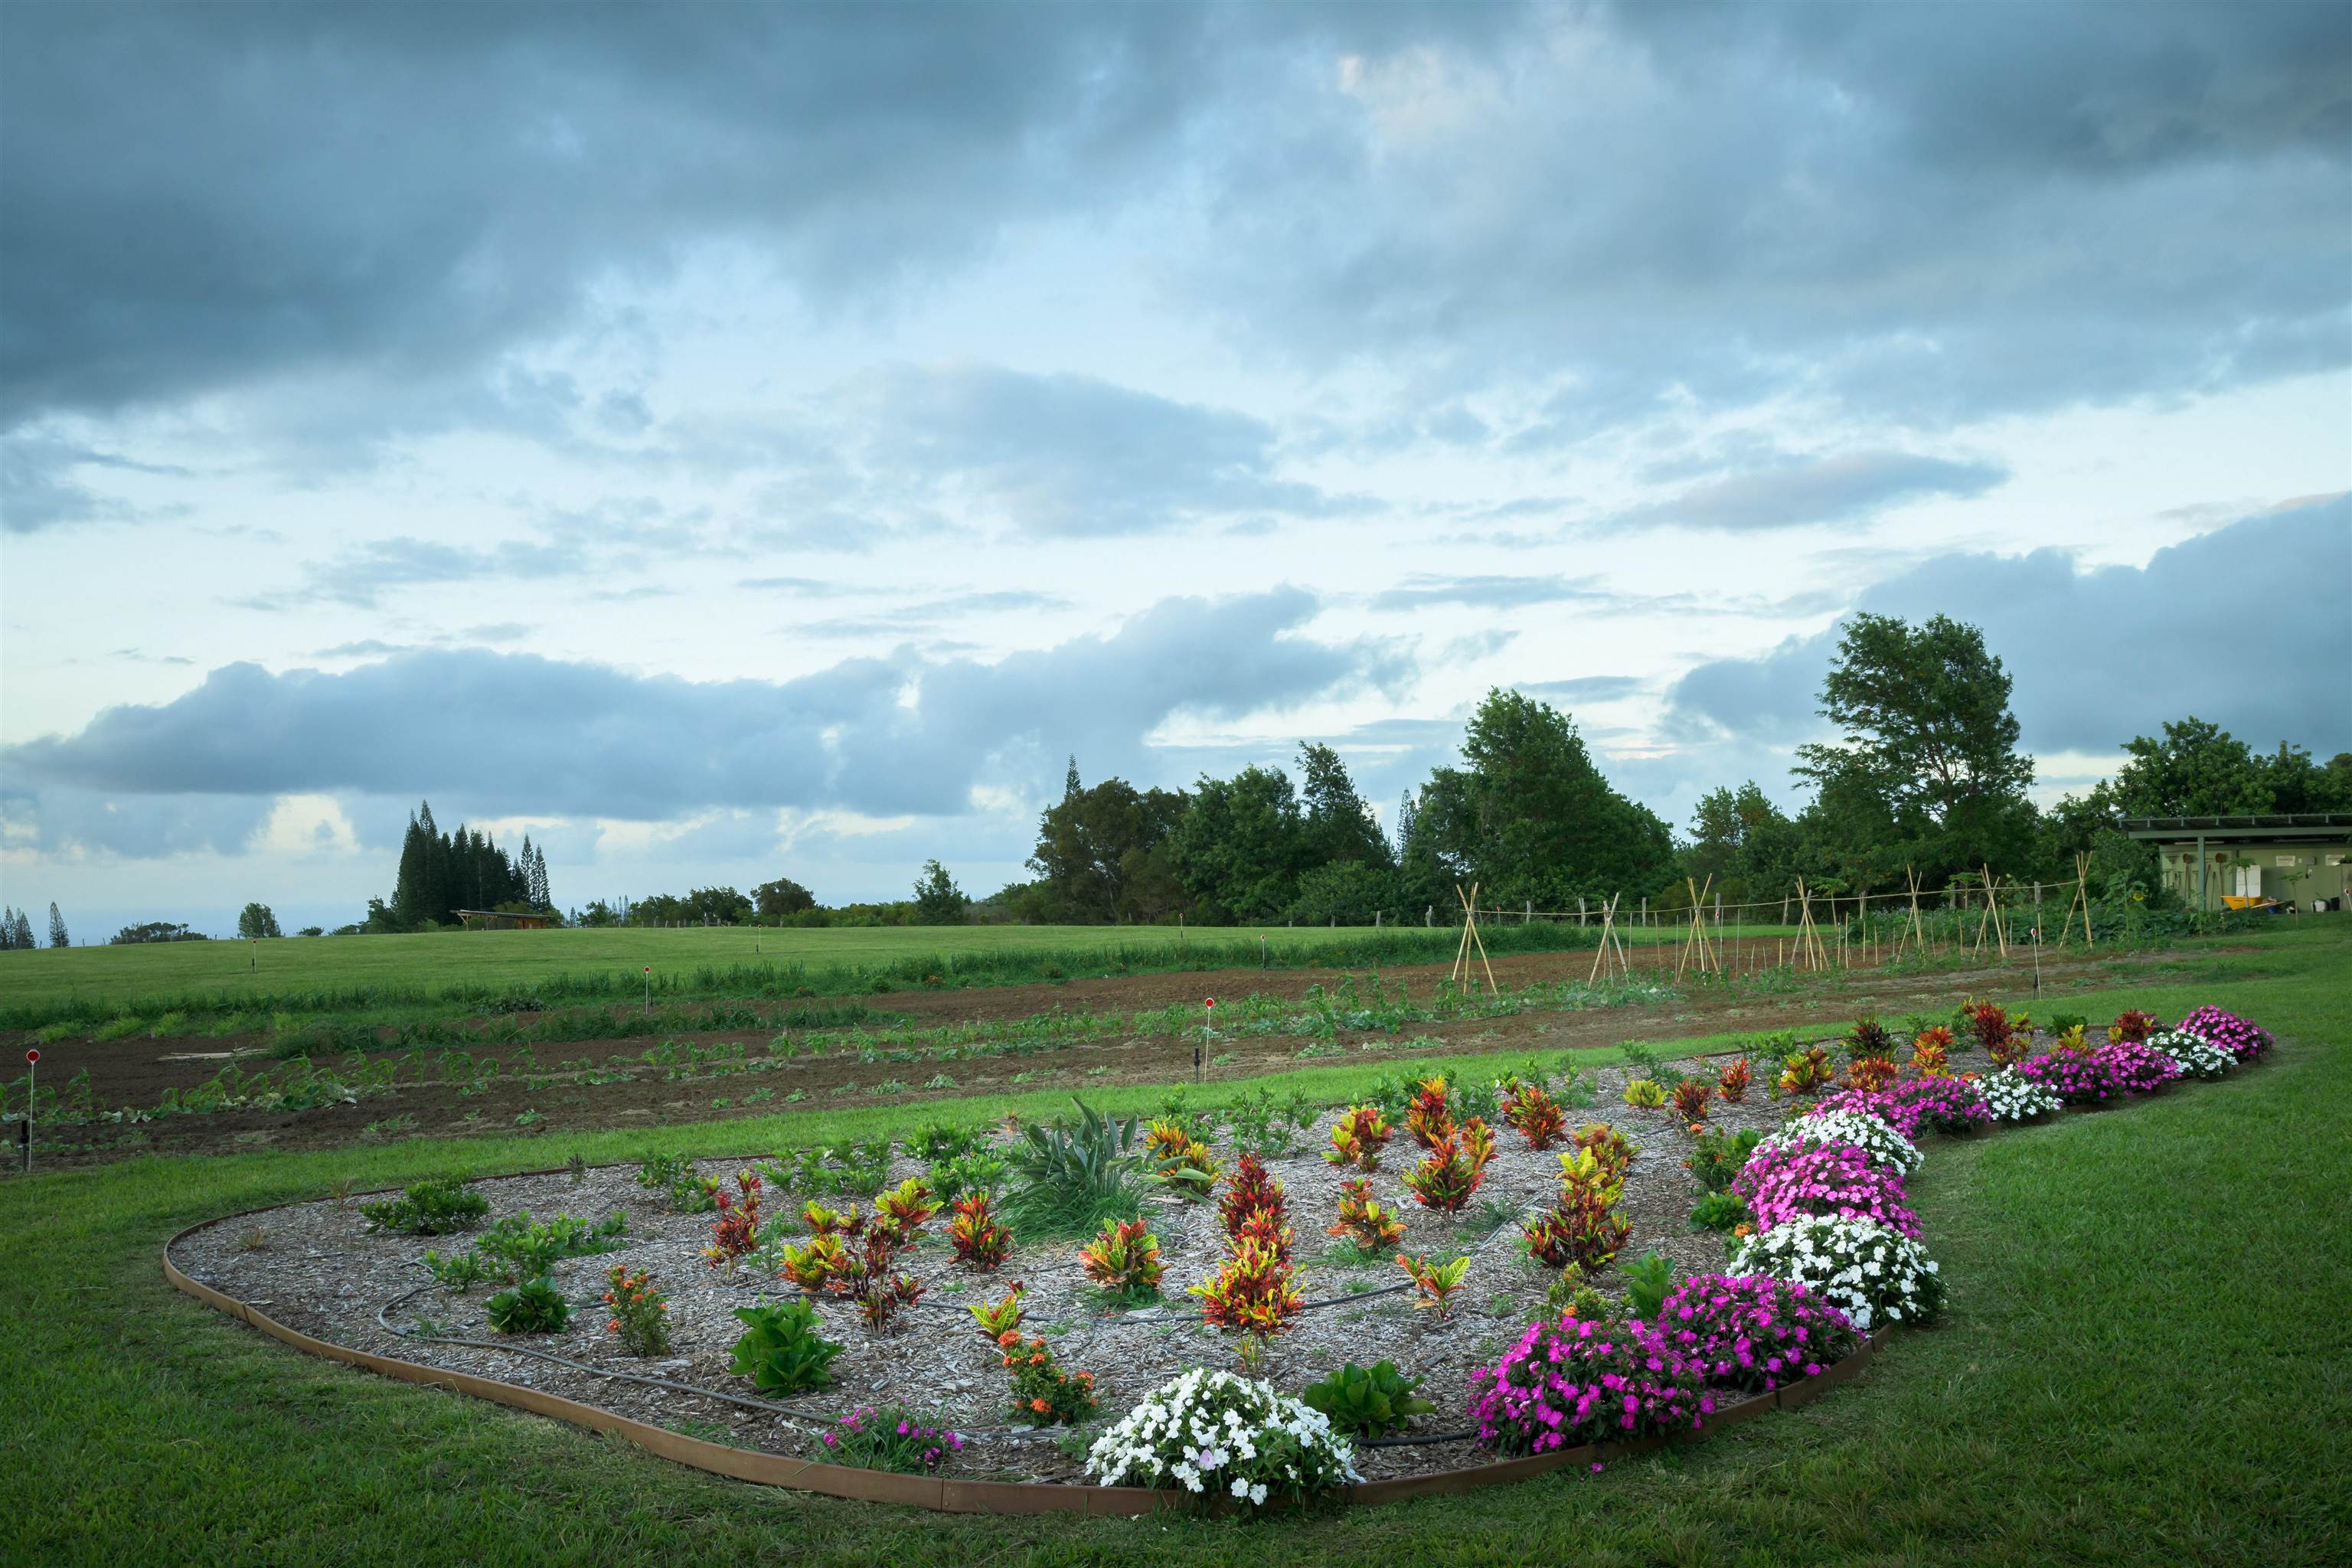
[534, 1306]
[672, 1175]
[1369, 1402]
[937, 1141]
[784, 1350]
[1717, 1157]
[518, 1249]
[1719, 1211]
[433, 1207]
[962, 1175]
[1649, 1280]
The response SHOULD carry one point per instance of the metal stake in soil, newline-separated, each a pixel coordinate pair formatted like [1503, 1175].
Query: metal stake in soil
[32, 1098]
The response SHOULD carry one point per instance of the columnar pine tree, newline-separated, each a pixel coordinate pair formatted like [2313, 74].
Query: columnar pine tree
[7, 927]
[57, 937]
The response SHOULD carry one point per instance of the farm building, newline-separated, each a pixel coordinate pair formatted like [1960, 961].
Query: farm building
[2243, 862]
[499, 919]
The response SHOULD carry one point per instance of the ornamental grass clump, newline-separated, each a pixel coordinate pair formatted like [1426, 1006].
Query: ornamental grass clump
[1868, 1133]
[1362, 1132]
[1372, 1226]
[1870, 1273]
[2009, 1097]
[1214, 1434]
[2195, 1056]
[1578, 1380]
[2235, 1035]
[1780, 1185]
[1753, 1332]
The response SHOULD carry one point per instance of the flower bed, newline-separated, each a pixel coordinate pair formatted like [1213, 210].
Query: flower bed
[1839, 1254]
[2242, 1039]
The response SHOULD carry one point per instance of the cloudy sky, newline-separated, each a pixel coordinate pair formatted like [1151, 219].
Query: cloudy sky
[728, 441]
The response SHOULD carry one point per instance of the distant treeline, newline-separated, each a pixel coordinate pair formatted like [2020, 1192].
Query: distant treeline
[1924, 776]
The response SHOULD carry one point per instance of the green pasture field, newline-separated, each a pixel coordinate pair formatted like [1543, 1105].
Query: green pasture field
[310, 974]
[2144, 1360]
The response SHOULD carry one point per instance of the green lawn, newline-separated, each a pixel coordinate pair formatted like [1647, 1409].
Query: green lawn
[2145, 1361]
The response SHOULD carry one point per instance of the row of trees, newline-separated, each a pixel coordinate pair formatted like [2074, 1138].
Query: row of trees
[17, 929]
[441, 873]
[1528, 817]
[937, 900]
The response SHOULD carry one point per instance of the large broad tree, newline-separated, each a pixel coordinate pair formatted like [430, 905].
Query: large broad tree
[782, 897]
[1926, 769]
[1102, 853]
[1240, 845]
[938, 900]
[256, 920]
[1530, 818]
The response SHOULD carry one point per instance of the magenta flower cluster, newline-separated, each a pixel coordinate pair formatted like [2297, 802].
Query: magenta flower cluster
[1580, 1382]
[890, 1440]
[1935, 1104]
[1877, 1102]
[2104, 1072]
[1754, 1332]
[2242, 1039]
[1834, 1181]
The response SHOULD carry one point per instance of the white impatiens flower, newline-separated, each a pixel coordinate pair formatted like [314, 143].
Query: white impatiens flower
[1254, 1439]
[1871, 1273]
[2196, 1057]
[2015, 1099]
[1885, 1146]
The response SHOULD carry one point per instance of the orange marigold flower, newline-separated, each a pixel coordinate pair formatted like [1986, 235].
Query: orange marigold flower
[1039, 1405]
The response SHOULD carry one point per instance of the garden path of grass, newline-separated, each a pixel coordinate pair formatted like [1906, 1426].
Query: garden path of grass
[2145, 1360]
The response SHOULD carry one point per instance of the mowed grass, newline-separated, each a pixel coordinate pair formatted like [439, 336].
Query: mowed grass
[2144, 1360]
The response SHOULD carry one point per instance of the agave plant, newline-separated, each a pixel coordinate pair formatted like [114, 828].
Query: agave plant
[1073, 1175]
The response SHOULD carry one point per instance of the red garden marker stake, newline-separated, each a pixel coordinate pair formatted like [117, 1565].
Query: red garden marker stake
[649, 986]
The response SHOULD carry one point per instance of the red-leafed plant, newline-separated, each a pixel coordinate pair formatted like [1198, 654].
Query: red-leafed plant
[1250, 1292]
[1732, 1081]
[1869, 1074]
[1690, 1097]
[1582, 1225]
[1124, 1260]
[823, 1221]
[1932, 1057]
[1359, 1138]
[1249, 1190]
[978, 1241]
[2132, 1026]
[1430, 1118]
[1807, 1071]
[1537, 1116]
[908, 1206]
[1451, 1171]
[1364, 1220]
[1267, 1231]
[737, 1230]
